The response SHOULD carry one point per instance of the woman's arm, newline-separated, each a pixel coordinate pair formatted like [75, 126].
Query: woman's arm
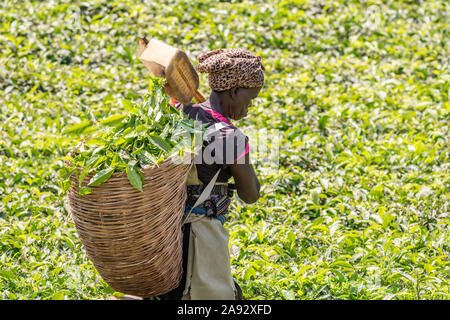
[247, 183]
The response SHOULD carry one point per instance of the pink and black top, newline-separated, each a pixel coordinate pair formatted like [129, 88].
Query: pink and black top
[229, 131]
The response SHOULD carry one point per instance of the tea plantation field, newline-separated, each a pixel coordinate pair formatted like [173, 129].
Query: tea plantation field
[358, 206]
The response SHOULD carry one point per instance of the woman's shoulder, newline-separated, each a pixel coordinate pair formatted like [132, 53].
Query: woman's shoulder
[201, 113]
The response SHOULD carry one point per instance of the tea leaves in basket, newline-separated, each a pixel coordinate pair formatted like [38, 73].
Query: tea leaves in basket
[146, 133]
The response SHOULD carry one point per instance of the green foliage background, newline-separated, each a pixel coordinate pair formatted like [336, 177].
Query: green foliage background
[359, 89]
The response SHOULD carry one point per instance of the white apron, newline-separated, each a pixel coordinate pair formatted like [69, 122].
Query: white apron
[208, 273]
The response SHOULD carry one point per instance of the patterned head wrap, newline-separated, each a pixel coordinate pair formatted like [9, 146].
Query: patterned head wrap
[231, 68]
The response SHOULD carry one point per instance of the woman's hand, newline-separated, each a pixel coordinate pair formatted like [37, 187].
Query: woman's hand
[247, 183]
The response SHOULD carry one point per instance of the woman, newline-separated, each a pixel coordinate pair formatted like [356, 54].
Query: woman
[235, 77]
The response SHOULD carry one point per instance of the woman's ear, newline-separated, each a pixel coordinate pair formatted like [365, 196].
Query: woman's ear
[234, 93]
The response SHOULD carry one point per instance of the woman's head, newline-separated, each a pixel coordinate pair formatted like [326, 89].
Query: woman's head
[237, 100]
[235, 75]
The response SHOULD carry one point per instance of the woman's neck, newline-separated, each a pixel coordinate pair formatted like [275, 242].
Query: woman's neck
[215, 103]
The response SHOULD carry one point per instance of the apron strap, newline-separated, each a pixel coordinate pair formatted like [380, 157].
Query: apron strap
[204, 195]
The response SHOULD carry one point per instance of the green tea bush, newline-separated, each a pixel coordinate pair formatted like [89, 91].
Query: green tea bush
[358, 206]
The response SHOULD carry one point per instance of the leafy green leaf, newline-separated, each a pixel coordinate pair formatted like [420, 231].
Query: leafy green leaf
[84, 191]
[101, 176]
[134, 178]
[78, 128]
[128, 106]
[59, 295]
[114, 120]
[147, 158]
[160, 143]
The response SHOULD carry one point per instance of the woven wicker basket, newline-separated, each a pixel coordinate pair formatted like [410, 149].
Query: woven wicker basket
[134, 238]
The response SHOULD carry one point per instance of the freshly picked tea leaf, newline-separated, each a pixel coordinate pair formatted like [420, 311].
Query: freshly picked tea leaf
[161, 143]
[134, 178]
[114, 120]
[101, 177]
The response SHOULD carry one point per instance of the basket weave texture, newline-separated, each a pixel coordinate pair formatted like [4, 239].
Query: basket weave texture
[134, 238]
